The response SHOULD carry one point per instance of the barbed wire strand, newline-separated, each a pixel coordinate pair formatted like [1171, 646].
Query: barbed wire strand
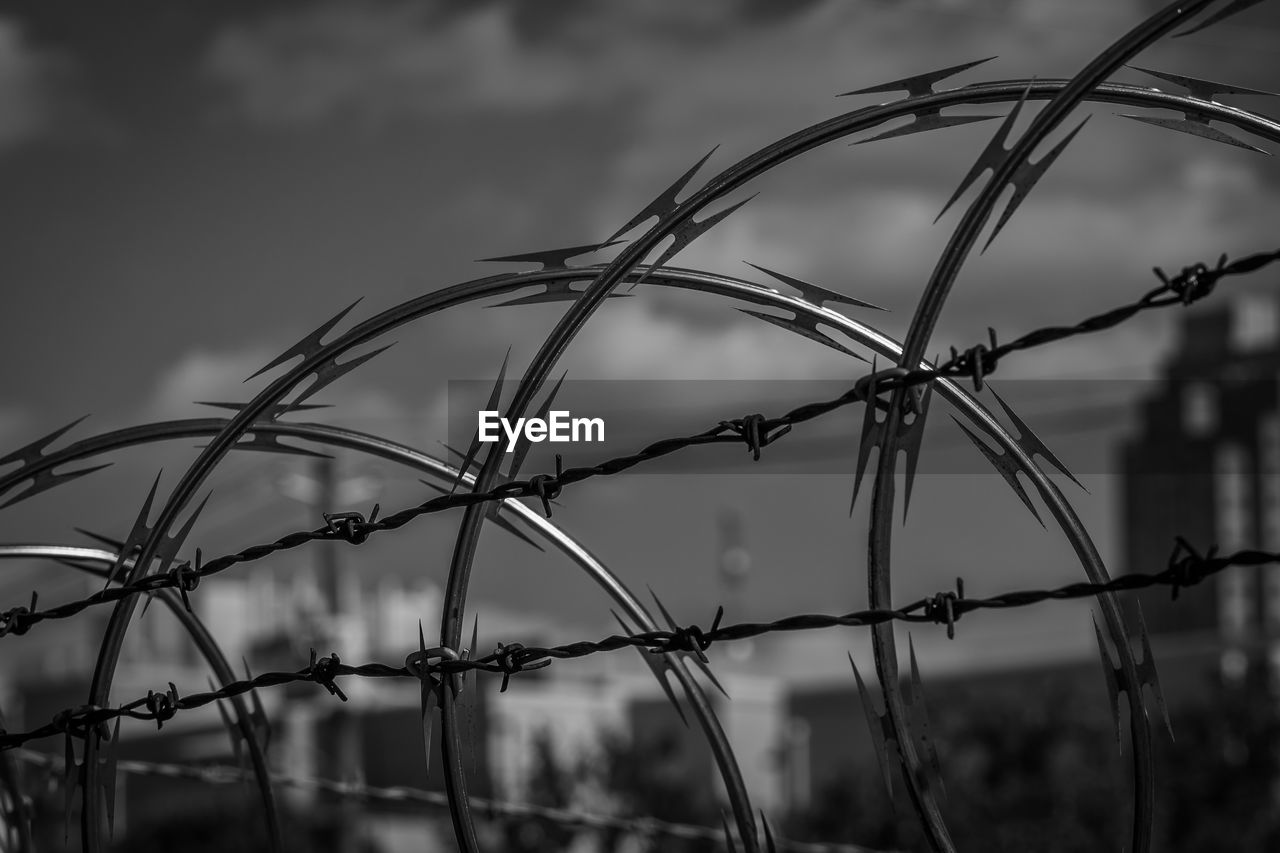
[494, 809]
[1190, 285]
[1186, 567]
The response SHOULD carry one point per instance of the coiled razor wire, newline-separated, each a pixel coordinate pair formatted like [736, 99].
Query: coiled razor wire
[1009, 166]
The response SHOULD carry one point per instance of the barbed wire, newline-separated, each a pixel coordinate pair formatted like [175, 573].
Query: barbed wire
[493, 809]
[756, 431]
[1186, 567]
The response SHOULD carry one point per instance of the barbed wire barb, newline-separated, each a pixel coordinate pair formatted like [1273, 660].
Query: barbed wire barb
[662, 206]
[991, 156]
[32, 454]
[138, 534]
[72, 778]
[1031, 444]
[699, 659]
[917, 84]
[730, 847]
[331, 371]
[524, 443]
[561, 290]
[167, 552]
[495, 396]
[924, 120]
[34, 451]
[881, 729]
[1147, 675]
[1112, 674]
[273, 412]
[1194, 123]
[658, 665]
[265, 443]
[813, 293]
[805, 327]
[1004, 465]
[470, 652]
[870, 438]
[1027, 175]
[1198, 87]
[918, 715]
[309, 346]
[109, 757]
[685, 233]
[911, 440]
[552, 259]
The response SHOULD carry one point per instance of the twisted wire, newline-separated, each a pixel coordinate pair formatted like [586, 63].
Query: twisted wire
[1186, 567]
[977, 362]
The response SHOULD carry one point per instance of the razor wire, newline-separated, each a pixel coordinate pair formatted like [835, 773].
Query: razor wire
[1186, 568]
[1009, 167]
[756, 431]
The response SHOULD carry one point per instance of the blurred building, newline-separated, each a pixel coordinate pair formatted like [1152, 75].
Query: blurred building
[570, 713]
[1205, 465]
[753, 718]
[374, 738]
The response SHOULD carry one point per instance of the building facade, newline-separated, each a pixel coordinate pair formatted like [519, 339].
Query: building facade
[1204, 464]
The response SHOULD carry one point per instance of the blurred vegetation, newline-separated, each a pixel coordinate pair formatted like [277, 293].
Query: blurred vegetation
[1038, 771]
[1045, 773]
[1041, 772]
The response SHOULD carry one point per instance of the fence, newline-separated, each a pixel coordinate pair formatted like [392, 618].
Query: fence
[897, 400]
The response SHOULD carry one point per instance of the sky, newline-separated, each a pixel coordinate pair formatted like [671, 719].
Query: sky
[190, 188]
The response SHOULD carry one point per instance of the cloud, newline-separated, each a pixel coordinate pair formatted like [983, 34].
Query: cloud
[218, 376]
[631, 339]
[682, 77]
[203, 375]
[1078, 250]
[377, 63]
[35, 96]
[14, 423]
[381, 61]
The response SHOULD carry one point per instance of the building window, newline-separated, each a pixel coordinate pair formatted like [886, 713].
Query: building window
[798, 766]
[1235, 665]
[1199, 409]
[1269, 484]
[1255, 323]
[1231, 496]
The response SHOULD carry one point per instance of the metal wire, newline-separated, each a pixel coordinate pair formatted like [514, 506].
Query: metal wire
[756, 431]
[1186, 567]
[439, 668]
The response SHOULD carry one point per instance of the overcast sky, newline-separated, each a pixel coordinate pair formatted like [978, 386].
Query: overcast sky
[189, 188]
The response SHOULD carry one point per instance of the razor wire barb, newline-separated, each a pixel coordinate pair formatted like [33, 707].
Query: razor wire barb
[1186, 567]
[1190, 285]
[494, 809]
